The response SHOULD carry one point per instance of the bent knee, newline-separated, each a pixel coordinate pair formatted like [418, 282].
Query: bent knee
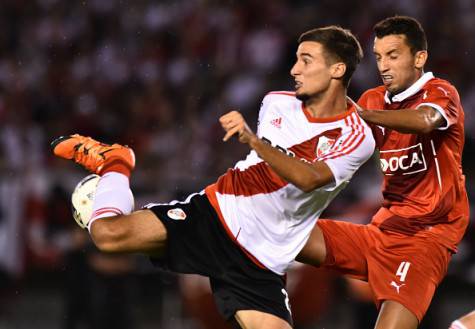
[138, 232]
[108, 232]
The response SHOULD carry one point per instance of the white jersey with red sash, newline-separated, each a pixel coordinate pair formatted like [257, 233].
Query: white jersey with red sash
[268, 217]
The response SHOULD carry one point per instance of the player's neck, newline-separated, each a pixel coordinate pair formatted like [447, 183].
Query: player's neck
[328, 104]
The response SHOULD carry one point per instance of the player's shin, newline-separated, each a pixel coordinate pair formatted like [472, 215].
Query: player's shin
[113, 197]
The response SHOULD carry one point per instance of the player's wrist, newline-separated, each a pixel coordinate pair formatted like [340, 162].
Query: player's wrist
[364, 114]
[254, 142]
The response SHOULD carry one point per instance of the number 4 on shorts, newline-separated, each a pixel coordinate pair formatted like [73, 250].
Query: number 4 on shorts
[402, 270]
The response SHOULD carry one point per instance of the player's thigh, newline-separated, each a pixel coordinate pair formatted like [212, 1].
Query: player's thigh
[407, 271]
[346, 246]
[394, 315]
[250, 319]
[140, 231]
[314, 252]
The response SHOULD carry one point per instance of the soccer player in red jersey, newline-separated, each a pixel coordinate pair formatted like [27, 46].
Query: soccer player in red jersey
[419, 129]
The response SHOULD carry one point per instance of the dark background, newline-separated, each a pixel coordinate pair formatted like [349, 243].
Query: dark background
[156, 75]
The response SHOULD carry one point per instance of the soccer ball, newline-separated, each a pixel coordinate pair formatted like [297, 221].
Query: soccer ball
[83, 198]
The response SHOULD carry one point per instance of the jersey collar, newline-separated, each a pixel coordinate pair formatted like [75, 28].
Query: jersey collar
[350, 108]
[412, 90]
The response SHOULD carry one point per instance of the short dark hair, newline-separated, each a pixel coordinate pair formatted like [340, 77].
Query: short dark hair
[339, 44]
[405, 25]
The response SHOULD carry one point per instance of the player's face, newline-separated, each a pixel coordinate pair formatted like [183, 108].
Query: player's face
[311, 72]
[398, 66]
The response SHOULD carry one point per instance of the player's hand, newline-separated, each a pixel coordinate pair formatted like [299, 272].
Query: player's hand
[359, 109]
[234, 124]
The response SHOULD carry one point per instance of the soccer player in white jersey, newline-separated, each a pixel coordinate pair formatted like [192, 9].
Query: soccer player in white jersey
[244, 230]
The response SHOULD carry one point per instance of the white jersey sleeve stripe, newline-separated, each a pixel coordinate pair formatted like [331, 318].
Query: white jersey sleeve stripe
[351, 123]
[351, 142]
[357, 136]
[354, 146]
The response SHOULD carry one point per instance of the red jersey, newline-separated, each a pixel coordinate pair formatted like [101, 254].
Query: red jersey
[424, 187]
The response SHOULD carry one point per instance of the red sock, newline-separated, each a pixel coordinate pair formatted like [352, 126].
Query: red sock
[116, 165]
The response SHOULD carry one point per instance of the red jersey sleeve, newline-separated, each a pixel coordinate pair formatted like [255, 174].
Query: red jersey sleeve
[373, 99]
[444, 98]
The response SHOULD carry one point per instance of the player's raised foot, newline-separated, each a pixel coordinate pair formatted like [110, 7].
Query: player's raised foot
[93, 155]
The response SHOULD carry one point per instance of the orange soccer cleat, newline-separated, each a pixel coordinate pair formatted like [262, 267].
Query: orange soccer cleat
[93, 155]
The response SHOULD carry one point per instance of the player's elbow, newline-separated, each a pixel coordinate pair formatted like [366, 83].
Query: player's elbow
[307, 187]
[310, 184]
[318, 180]
[429, 120]
[108, 235]
[426, 126]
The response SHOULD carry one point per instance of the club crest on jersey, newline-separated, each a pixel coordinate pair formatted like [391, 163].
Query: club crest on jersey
[324, 145]
[406, 161]
[176, 214]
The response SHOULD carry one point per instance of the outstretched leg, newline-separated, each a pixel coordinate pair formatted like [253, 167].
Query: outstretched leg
[113, 226]
[249, 319]
[394, 315]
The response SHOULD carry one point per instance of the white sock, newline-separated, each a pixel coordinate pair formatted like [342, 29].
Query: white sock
[457, 325]
[113, 197]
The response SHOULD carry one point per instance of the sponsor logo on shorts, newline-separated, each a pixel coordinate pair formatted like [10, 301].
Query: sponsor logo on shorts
[287, 301]
[176, 214]
[397, 286]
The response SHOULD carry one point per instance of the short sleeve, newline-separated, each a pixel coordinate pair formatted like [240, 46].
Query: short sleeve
[265, 114]
[363, 100]
[352, 149]
[442, 99]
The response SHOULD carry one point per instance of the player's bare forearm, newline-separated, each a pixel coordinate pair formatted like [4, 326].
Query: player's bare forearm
[306, 176]
[412, 121]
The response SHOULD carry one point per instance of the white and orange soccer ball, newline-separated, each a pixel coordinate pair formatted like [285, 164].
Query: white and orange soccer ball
[82, 199]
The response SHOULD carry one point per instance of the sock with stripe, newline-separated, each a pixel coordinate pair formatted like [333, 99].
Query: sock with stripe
[457, 325]
[113, 197]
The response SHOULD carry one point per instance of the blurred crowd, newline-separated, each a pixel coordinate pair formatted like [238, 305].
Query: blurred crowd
[156, 75]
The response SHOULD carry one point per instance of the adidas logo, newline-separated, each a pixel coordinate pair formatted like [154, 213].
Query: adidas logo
[276, 122]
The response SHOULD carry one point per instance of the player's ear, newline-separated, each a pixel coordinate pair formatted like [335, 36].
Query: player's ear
[420, 59]
[338, 70]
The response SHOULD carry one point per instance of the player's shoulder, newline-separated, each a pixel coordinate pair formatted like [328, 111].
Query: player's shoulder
[373, 97]
[441, 85]
[377, 92]
[280, 98]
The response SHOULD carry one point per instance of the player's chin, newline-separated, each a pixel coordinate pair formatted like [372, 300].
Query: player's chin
[301, 96]
[393, 88]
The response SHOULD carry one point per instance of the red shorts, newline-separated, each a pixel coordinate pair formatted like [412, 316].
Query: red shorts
[401, 268]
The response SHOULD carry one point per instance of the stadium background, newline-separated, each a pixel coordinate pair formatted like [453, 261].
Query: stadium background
[156, 75]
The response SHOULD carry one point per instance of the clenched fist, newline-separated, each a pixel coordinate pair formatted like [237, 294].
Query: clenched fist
[233, 123]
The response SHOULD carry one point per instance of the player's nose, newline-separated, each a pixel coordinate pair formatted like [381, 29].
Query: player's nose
[383, 65]
[295, 70]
